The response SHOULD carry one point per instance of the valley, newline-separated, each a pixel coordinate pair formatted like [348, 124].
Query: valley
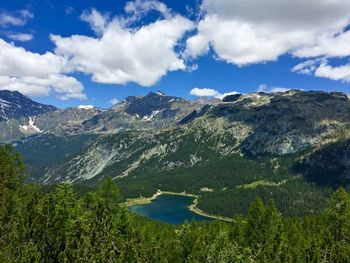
[159, 131]
[267, 145]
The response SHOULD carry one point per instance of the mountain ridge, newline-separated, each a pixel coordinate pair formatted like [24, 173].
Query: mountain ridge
[14, 105]
[259, 144]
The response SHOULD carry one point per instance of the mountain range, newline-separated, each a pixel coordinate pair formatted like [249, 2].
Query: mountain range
[291, 146]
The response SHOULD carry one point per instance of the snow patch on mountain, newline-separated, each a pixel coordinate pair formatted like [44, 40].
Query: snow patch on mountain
[153, 114]
[30, 127]
[4, 104]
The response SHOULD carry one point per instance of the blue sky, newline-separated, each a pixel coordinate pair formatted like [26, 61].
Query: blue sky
[128, 48]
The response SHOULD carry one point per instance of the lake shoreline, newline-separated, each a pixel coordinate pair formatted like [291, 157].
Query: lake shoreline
[193, 207]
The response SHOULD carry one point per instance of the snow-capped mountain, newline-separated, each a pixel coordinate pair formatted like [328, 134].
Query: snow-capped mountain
[14, 105]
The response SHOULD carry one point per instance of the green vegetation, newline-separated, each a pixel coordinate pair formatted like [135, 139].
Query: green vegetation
[59, 226]
[236, 181]
[328, 165]
[41, 150]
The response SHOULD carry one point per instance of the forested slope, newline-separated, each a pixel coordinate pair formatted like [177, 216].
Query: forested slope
[60, 227]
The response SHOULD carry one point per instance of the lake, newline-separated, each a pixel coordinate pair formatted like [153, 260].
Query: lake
[171, 209]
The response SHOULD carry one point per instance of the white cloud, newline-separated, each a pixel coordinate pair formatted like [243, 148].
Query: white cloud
[86, 107]
[17, 62]
[36, 74]
[253, 31]
[124, 54]
[18, 18]
[23, 37]
[274, 89]
[26, 14]
[96, 20]
[64, 87]
[321, 68]
[205, 92]
[329, 45]
[335, 73]
[138, 8]
[114, 101]
[307, 67]
[69, 10]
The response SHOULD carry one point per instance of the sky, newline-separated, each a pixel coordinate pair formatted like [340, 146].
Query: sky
[97, 52]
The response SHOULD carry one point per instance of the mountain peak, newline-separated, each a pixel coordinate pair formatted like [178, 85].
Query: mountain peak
[157, 93]
[14, 105]
[149, 104]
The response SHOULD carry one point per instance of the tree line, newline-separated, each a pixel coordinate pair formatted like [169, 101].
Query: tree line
[60, 226]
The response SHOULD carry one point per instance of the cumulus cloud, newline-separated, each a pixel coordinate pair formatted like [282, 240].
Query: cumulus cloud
[18, 18]
[36, 74]
[274, 89]
[23, 37]
[335, 73]
[121, 53]
[139, 8]
[244, 32]
[205, 92]
[114, 101]
[321, 68]
[328, 45]
[95, 19]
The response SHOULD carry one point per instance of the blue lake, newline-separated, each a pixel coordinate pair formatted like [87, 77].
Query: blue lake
[171, 209]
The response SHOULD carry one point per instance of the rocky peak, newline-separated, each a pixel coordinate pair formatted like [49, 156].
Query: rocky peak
[14, 105]
[150, 104]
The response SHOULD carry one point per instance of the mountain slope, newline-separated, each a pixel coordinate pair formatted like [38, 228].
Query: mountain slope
[60, 122]
[230, 152]
[254, 125]
[14, 105]
[155, 110]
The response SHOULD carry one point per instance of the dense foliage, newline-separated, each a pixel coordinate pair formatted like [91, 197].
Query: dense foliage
[235, 182]
[59, 226]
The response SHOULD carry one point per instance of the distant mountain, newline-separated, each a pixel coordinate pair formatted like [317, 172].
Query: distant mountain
[152, 104]
[291, 146]
[155, 110]
[258, 124]
[14, 105]
[21, 117]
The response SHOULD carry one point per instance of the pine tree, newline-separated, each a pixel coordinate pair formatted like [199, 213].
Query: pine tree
[338, 221]
[264, 231]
